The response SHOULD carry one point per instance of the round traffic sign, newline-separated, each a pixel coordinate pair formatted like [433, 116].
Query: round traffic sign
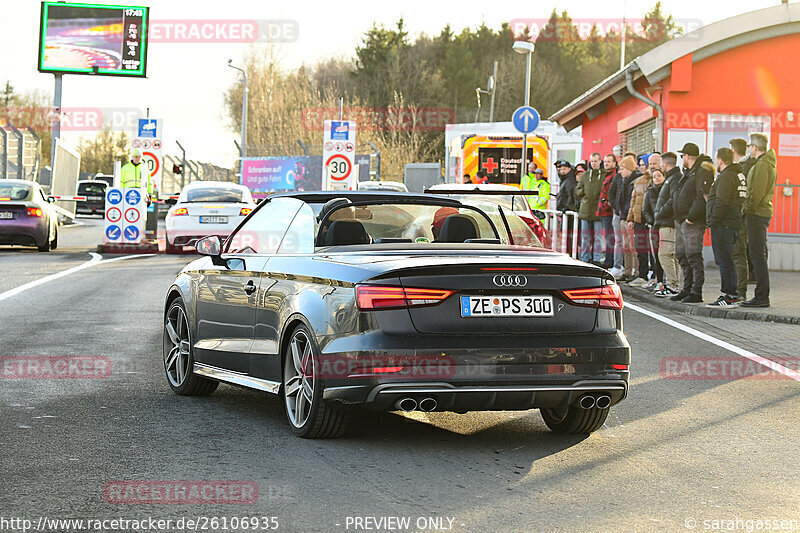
[340, 167]
[113, 232]
[131, 233]
[525, 119]
[113, 214]
[152, 161]
[132, 197]
[132, 215]
[114, 196]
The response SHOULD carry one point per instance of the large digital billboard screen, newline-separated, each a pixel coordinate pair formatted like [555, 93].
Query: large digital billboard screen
[93, 39]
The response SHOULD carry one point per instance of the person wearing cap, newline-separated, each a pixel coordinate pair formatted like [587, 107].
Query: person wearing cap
[536, 181]
[689, 213]
[580, 168]
[757, 211]
[566, 199]
[588, 192]
[134, 175]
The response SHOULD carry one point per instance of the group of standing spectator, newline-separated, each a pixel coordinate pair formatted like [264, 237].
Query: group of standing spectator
[644, 217]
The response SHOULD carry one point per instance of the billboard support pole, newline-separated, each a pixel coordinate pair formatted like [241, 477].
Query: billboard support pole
[56, 118]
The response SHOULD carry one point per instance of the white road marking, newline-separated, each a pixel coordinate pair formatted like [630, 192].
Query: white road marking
[96, 259]
[772, 365]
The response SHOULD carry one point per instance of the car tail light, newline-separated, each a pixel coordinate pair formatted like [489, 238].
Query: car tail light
[380, 297]
[180, 211]
[536, 227]
[605, 297]
[245, 211]
[619, 367]
[35, 212]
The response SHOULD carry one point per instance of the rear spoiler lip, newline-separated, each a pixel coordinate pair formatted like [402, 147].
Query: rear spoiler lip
[518, 192]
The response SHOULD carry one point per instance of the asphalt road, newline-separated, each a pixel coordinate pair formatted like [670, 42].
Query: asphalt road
[675, 456]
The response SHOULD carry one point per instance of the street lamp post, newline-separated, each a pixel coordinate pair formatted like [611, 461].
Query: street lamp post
[244, 109]
[525, 47]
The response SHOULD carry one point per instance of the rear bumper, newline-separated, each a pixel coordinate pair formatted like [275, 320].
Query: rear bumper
[185, 238]
[484, 397]
[478, 373]
[90, 207]
[29, 231]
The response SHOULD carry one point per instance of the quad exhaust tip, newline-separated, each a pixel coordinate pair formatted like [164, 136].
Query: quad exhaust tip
[603, 401]
[407, 404]
[587, 402]
[427, 405]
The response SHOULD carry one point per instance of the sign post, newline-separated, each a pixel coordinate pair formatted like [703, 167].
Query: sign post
[338, 155]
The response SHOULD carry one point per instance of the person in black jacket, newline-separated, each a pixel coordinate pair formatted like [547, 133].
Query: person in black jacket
[689, 213]
[665, 223]
[724, 217]
[566, 200]
[741, 260]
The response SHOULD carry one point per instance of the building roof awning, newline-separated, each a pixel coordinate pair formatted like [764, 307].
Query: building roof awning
[702, 43]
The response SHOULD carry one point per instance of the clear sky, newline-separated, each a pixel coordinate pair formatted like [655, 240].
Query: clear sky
[186, 81]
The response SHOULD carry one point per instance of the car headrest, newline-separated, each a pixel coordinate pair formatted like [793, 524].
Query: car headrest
[345, 232]
[457, 228]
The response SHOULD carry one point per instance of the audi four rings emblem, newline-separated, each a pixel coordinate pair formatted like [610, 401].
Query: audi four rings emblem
[510, 281]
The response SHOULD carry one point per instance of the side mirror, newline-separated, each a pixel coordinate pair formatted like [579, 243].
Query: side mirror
[211, 246]
[51, 200]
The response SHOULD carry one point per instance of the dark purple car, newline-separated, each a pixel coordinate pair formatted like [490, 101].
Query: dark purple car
[26, 217]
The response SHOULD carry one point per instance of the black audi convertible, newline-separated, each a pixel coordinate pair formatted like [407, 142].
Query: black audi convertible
[339, 301]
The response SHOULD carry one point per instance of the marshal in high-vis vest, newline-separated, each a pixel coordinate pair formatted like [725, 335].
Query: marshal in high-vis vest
[134, 174]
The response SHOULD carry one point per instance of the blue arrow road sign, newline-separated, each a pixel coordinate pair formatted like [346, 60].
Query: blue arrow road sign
[132, 197]
[131, 233]
[114, 196]
[526, 119]
[113, 232]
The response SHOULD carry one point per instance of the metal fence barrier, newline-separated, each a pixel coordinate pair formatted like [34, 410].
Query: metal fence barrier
[558, 227]
[786, 210]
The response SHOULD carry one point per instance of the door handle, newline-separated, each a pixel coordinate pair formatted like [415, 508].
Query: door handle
[250, 288]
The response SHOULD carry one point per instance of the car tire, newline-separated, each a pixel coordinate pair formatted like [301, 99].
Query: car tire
[46, 246]
[179, 354]
[574, 420]
[314, 419]
[54, 244]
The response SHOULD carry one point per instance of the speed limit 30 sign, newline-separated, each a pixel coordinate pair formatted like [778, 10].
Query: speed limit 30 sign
[339, 167]
[339, 139]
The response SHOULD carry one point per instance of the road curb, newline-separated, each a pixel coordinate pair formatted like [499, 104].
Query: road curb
[641, 295]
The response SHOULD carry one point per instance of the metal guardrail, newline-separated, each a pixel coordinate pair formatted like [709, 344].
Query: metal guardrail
[558, 226]
[786, 210]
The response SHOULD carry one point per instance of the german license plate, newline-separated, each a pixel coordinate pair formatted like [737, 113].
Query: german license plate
[6, 215]
[496, 306]
[213, 220]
